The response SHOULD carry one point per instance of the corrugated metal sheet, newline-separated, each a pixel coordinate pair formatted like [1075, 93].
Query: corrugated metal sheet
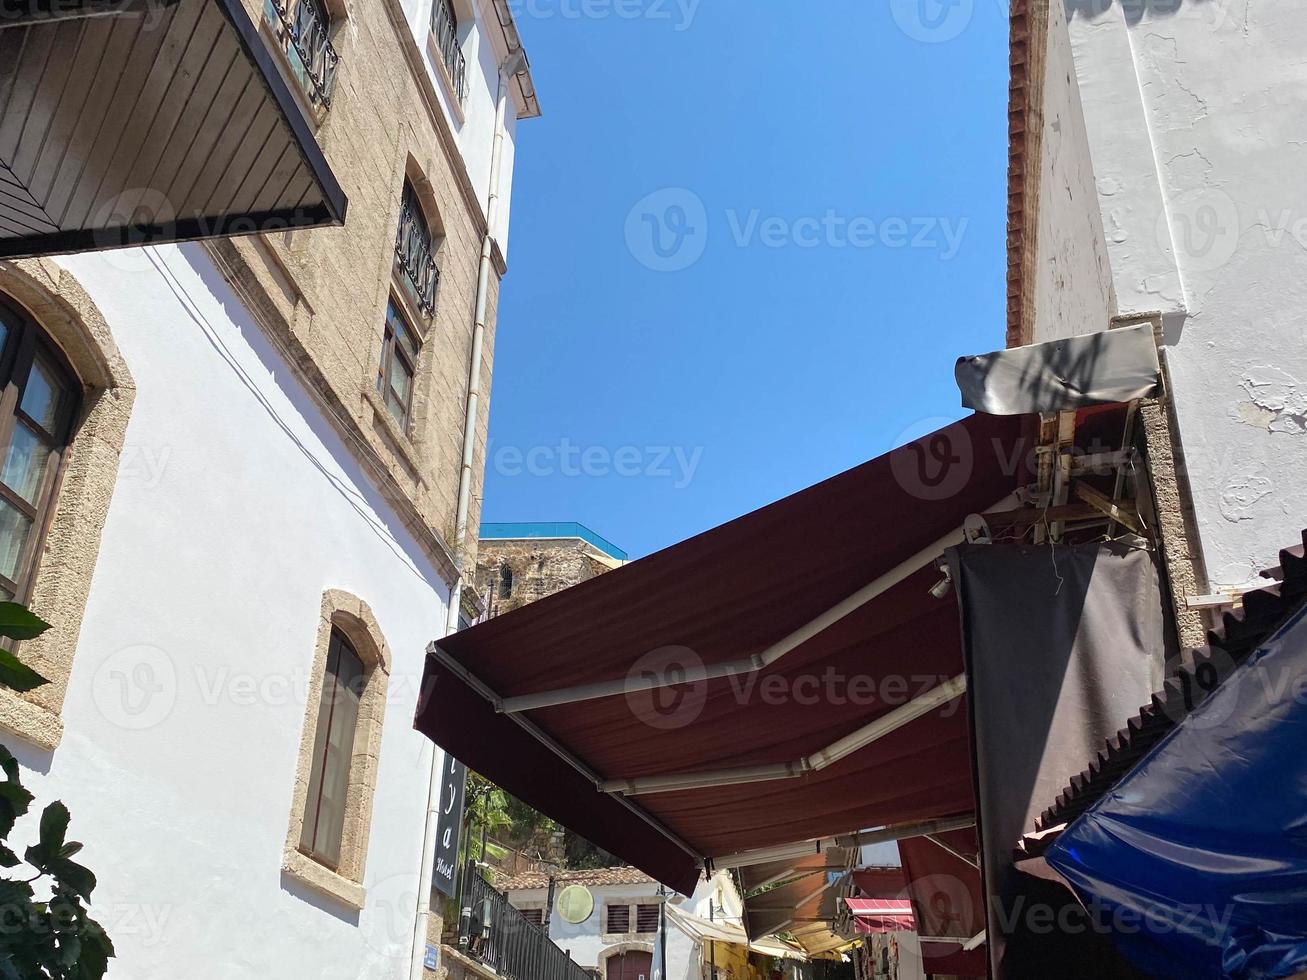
[163, 124]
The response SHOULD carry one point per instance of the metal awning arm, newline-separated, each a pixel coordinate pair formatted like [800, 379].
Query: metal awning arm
[480, 687]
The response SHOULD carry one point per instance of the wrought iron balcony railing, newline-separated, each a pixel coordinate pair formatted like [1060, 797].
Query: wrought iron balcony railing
[413, 252]
[445, 27]
[499, 937]
[304, 31]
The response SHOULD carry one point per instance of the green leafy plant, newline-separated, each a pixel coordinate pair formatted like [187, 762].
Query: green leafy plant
[52, 938]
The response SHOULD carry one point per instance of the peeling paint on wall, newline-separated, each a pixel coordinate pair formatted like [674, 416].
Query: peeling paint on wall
[1277, 401]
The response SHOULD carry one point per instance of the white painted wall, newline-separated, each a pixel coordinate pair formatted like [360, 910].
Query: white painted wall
[585, 940]
[474, 128]
[1196, 116]
[236, 507]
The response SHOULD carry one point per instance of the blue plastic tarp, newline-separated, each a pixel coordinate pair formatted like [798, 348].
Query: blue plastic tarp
[1196, 862]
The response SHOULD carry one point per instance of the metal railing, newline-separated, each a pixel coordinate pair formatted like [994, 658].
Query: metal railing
[500, 938]
[304, 31]
[413, 252]
[444, 25]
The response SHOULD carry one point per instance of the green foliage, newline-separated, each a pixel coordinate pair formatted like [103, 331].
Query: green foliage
[51, 938]
[16, 623]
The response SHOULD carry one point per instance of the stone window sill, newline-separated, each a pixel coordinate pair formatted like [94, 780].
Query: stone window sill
[31, 722]
[322, 879]
[398, 438]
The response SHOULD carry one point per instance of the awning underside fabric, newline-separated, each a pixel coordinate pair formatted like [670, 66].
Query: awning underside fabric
[727, 594]
[150, 122]
[804, 901]
[757, 876]
[726, 931]
[872, 915]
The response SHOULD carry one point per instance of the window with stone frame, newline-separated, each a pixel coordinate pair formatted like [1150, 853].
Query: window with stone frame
[302, 30]
[397, 368]
[333, 750]
[331, 810]
[38, 409]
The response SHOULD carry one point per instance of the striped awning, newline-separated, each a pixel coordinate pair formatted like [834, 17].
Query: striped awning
[124, 122]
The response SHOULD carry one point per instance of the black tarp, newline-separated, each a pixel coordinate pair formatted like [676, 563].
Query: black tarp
[1062, 644]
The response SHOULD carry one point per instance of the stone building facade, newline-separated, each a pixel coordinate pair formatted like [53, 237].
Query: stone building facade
[253, 503]
[516, 566]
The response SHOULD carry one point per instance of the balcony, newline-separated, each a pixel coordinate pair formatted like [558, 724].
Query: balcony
[501, 939]
[303, 29]
[413, 253]
[444, 25]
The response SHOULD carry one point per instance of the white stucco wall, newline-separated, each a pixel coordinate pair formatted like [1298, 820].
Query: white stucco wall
[585, 939]
[235, 508]
[474, 127]
[1073, 285]
[1196, 115]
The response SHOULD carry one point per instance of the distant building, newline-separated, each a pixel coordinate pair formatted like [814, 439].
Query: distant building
[610, 919]
[520, 563]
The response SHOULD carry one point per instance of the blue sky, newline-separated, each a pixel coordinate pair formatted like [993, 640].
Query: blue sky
[749, 239]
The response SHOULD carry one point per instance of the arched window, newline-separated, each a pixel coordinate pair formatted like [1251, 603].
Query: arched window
[38, 409]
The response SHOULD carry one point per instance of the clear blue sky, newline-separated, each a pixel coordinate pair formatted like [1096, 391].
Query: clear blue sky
[850, 246]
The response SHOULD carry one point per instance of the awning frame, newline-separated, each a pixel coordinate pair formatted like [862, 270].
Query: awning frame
[883, 835]
[745, 665]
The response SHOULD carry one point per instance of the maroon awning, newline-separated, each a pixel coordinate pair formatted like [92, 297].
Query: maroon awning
[726, 594]
[881, 915]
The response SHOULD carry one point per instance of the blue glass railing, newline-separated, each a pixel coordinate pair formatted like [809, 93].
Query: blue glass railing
[551, 529]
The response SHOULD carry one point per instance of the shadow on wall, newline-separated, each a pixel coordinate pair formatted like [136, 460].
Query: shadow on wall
[1134, 10]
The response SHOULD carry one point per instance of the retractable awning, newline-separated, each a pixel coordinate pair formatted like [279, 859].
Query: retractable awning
[820, 673]
[881, 915]
[124, 122]
[768, 689]
[726, 931]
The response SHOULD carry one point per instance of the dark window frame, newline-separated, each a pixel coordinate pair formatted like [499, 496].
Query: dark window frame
[25, 342]
[347, 695]
[625, 912]
[392, 349]
[445, 27]
[415, 251]
[642, 910]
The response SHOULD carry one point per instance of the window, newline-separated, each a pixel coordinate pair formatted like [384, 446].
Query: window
[534, 916]
[619, 919]
[303, 27]
[38, 406]
[333, 753]
[505, 582]
[444, 26]
[336, 775]
[415, 254]
[399, 357]
[646, 918]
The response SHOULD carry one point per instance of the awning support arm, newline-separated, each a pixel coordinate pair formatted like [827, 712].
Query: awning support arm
[842, 748]
[895, 832]
[940, 842]
[478, 685]
[747, 665]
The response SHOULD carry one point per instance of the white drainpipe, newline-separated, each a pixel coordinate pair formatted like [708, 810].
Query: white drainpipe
[512, 64]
